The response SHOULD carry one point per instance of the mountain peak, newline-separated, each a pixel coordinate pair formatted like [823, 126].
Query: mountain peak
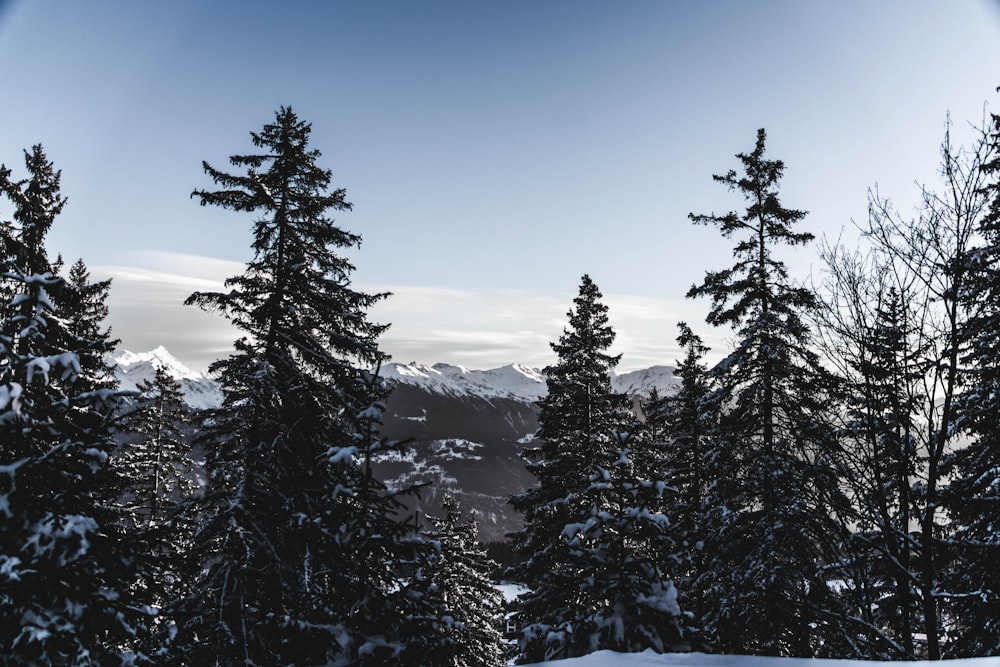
[157, 358]
[132, 369]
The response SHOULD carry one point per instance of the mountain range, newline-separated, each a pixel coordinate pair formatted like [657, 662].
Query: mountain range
[465, 429]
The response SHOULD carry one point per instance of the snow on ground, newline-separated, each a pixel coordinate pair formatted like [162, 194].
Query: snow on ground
[650, 659]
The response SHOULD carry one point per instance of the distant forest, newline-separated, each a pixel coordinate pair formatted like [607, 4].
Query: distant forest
[830, 488]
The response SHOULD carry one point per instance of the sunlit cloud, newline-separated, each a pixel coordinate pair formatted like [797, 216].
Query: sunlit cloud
[146, 304]
[490, 328]
[476, 328]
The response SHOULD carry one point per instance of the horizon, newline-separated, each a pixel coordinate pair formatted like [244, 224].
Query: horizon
[144, 355]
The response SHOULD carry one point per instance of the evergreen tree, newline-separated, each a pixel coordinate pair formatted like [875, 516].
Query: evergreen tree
[65, 568]
[472, 608]
[37, 201]
[594, 534]
[298, 549]
[82, 305]
[772, 491]
[160, 489]
[681, 426]
[389, 610]
[973, 498]
[157, 456]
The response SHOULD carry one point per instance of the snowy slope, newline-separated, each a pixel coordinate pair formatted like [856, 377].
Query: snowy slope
[650, 659]
[660, 378]
[514, 381]
[132, 369]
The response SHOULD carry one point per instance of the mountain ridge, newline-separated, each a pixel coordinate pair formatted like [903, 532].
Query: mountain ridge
[514, 381]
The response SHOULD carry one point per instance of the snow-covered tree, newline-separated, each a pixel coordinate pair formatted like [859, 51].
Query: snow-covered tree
[156, 501]
[156, 456]
[594, 536]
[471, 607]
[772, 489]
[973, 497]
[65, 567]
[680, 426]
[299, 550]
[388, 612]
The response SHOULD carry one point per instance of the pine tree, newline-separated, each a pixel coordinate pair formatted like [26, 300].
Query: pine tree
[594, 534]
[161, 488]
[299, 547]
[772, 492]
[681, 426]
[65, 568]
[82, 305]
[471, 608]
[973, 497]
[37, 201]
[389, 611]
[157, 457]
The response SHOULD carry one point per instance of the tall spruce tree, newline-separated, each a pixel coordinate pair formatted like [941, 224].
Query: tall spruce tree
[291, 549]
[973, 497]
[594, 536]
[772, 492]
[65, 567]
[681, 427]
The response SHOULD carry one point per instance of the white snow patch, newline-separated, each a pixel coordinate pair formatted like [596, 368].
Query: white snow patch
[650, 659]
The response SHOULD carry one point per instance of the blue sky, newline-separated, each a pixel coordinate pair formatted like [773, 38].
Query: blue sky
[494, 151]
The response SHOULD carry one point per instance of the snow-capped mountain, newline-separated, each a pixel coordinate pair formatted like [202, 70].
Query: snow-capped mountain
[132, 369]
[515, 381]
[643, 381]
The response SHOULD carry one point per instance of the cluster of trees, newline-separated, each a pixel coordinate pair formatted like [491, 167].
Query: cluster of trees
[830, 488]
[293, 553]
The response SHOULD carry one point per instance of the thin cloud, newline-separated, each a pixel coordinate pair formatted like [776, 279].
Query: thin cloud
[474, 328]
